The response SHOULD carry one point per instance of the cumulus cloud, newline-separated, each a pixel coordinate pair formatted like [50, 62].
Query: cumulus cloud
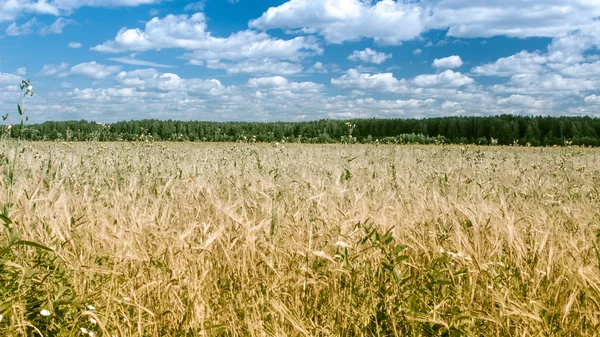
[56, 27]
[564, 69]
[32, 25]
[152, 80]
[391, 22]
[94, 70]
[525, 101]
[281, 83]
[11, 9]
[387, 22]
[195, 6]
[256, 66]
[369, 56]
[592, 99]
[449, 62]
[520, 63]
[59, 70]
[242, 52]
[546, 84]
[448, 78]
[74, 45]
[385, 82]
[190, 33]
[318, 67]
[136, 62]
[9, 79]
[25, 29]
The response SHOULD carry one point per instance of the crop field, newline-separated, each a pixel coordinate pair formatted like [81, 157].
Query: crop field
[196, 239]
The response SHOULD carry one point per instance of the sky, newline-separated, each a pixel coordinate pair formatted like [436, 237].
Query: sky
[297, 60]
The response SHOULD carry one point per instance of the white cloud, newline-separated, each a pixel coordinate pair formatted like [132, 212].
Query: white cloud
[369, 56]
[447, 78]
[195, 6]
[21, 71]
[11, 9]
[546, 84]
[520, 63]
[189, 32]
[30, 26]
[390, 22]
[525, 101]
[54, 70]
[515, 18]
[250, 51]
[24, 29]
[267, 82]
[450, 105]
[387, 22]
[151, 79]
[255, 66]
[10, 79]
[94, 70]
[385, 82]
[72, 4]
[252, 45]
[100, 94]
[592, 99]
[449, 62]
[318, 67]
[133, 61]
[581, 70]
[174, 31]
[74, 45]
[56, 27]
[417, 51]
[278, 83]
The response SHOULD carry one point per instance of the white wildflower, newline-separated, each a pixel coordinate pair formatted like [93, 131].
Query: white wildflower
[91, 334]
[83, 331]
[91, 307]
[93, 321]
[1, 318]
[126, 299]
[442, 251]
[30, 88]
[45, 313]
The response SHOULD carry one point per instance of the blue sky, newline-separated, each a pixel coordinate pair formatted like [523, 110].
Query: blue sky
[260, 60]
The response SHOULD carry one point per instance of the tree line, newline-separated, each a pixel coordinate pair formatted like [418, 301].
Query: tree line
[501, 130]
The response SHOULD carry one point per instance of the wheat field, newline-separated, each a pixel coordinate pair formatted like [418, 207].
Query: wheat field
[192, 239]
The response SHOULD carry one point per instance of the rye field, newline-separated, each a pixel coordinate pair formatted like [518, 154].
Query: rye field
[195, 239]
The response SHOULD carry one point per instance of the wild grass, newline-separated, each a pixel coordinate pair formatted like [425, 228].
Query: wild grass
[163, 239]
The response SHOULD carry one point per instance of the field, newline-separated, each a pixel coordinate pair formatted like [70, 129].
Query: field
[191, 239]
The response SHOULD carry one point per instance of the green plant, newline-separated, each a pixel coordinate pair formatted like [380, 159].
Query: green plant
[35, 291]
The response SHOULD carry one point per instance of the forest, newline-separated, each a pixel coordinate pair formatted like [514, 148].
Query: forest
[497, 130]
